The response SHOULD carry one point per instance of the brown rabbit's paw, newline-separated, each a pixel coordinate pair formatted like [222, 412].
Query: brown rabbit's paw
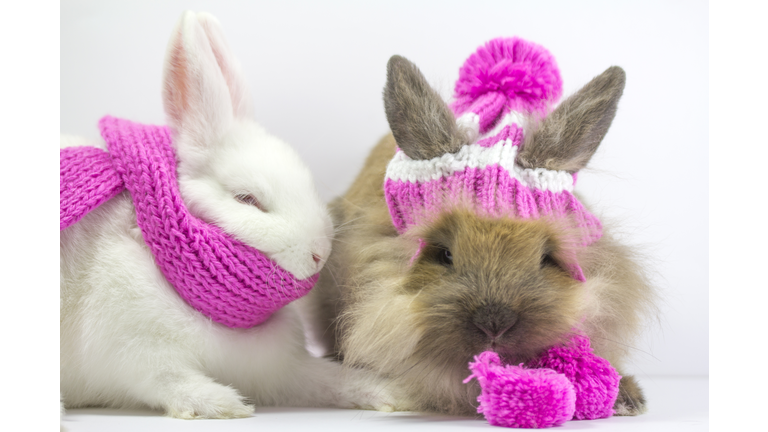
[375, 398]
[631, 401]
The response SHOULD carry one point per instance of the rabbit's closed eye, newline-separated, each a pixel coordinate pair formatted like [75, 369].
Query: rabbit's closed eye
[251, 200]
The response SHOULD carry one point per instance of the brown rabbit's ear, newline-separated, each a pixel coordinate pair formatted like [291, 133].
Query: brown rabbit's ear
[423, 125]
[570, 135]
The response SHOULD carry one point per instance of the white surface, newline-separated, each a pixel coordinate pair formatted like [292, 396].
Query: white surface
[317, 70]
[676, 404]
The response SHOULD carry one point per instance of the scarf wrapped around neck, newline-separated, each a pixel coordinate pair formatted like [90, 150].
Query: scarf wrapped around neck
[218, 275]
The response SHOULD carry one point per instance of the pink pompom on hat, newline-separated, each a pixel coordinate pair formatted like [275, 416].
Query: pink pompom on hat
[504, 82]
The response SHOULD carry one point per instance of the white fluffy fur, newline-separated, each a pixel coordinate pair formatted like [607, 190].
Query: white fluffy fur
[127, 338]
[222, 153]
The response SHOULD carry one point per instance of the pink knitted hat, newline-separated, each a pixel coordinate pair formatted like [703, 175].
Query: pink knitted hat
[502, 83]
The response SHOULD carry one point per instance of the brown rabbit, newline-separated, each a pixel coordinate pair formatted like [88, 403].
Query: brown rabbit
[416, 305]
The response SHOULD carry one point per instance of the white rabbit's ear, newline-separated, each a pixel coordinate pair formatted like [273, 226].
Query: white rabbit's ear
[229, 66]
[203, 88]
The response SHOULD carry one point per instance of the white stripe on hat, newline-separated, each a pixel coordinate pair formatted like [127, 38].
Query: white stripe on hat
[503, 153]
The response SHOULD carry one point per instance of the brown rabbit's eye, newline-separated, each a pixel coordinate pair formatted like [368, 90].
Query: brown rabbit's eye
[250, 200]
[548, 261]
[445, 257]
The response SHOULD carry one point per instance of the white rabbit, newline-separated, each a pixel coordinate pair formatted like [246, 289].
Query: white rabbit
[127, 338]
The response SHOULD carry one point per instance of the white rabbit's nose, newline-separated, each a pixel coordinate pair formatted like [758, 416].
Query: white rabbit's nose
[319, 262]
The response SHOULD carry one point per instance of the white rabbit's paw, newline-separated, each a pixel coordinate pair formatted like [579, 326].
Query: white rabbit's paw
[210, 401]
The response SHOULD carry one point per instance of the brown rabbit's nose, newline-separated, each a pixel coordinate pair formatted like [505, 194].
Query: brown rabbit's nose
[494, 319]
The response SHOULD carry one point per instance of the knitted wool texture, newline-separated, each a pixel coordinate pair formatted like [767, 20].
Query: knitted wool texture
[565, 382]
[87, 180]
[223, 278]
[595, 381]
[505, 81]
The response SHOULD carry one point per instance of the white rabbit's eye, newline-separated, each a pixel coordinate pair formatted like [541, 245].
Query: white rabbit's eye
[251, 200]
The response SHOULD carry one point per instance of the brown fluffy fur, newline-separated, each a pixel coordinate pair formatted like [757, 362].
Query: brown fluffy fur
[419, 323]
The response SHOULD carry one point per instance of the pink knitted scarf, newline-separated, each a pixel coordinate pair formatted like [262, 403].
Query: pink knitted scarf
[221, 277]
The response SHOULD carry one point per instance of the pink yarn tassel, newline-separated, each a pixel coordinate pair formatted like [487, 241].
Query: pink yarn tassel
[564, 383]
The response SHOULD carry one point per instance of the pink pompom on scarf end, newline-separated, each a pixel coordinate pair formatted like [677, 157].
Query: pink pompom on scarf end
[564, 383]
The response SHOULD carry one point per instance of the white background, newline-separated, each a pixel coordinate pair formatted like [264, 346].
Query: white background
[316, 72]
